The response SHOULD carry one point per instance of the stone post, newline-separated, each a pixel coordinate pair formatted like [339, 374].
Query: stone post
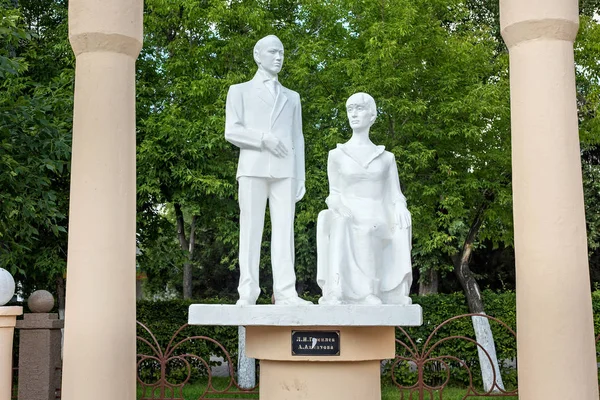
[39, 349]
[8, 320]
[99, 350]
[555, 342]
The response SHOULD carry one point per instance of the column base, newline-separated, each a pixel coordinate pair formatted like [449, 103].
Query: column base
[285, 380]
[294, 366]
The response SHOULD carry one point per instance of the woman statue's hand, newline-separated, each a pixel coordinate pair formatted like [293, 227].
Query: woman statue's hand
[334, 203]
[337, 207]
[343, 211]
[402, 216]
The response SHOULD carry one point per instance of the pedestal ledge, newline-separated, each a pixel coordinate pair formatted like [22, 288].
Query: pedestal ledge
[316, 315]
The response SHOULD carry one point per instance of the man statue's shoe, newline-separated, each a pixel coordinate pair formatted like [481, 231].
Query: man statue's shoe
[293, 301]
[244, 302]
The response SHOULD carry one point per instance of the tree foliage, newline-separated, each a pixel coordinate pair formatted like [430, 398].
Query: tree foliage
[438, 70]
[446, 127]
[35, 124]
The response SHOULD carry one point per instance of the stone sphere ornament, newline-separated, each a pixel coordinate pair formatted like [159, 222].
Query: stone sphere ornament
[40, 301]
[7, 286]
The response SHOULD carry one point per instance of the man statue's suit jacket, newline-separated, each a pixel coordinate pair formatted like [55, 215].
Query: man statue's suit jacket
[252, 111]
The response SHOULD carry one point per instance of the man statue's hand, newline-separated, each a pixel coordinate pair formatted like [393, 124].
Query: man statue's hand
[274, 145]
[300, 190]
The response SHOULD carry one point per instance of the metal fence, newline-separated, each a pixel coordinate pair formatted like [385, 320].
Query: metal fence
[421, 370]
[433, 368]
[164, 372]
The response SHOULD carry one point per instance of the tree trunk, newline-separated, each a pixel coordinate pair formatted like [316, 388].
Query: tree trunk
[246, 371]
[481, 325]
[429, 282]
[60, 294]
[188, 246]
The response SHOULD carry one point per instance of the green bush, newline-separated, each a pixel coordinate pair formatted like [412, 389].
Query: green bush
[163, 319]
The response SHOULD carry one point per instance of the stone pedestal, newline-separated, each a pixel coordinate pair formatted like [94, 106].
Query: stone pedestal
[365, 336]
[352, 374]
[39, 356]
[8, 320]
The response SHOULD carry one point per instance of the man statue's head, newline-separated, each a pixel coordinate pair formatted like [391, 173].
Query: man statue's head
[268, 54]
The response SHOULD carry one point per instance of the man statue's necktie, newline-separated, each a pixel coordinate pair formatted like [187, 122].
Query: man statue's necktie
[273, 87]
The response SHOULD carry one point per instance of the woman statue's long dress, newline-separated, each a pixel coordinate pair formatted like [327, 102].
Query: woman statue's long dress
[364, 237]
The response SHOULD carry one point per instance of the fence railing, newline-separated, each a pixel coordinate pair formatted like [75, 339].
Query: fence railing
[433, 369]
[164, 372]
[421, 370]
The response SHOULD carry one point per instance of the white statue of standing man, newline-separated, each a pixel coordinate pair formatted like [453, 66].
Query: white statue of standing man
[264, 119]
[364, 237]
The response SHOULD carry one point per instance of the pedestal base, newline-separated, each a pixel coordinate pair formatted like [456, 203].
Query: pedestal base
[284, 380]
[353, 373]
[335, 352]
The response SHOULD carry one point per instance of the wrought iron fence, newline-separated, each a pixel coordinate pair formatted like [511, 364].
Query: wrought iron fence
[432, 368]
[170, 370]
[172, 367]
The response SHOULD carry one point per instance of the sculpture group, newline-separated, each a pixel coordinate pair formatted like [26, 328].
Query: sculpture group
[363, 238]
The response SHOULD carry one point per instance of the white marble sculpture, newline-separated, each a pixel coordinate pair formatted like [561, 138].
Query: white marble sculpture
[364, 237]
[264, 119]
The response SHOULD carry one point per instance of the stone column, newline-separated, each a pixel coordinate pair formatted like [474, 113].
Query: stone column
[99, 350]
[8, 320]
[39, 349]
[556, 351]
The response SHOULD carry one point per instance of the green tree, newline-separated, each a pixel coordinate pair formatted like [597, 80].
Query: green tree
[35, 123]
[587, 53]
[439, 73]
[193, 52]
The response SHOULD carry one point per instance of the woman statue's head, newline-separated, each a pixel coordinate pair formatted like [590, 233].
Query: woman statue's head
[361, 111]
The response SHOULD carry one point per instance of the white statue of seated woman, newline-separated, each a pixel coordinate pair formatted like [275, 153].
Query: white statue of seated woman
[364, 237]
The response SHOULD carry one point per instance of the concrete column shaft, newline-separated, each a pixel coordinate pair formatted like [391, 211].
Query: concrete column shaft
[99, 350]
[555, 337]
[100, 300]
